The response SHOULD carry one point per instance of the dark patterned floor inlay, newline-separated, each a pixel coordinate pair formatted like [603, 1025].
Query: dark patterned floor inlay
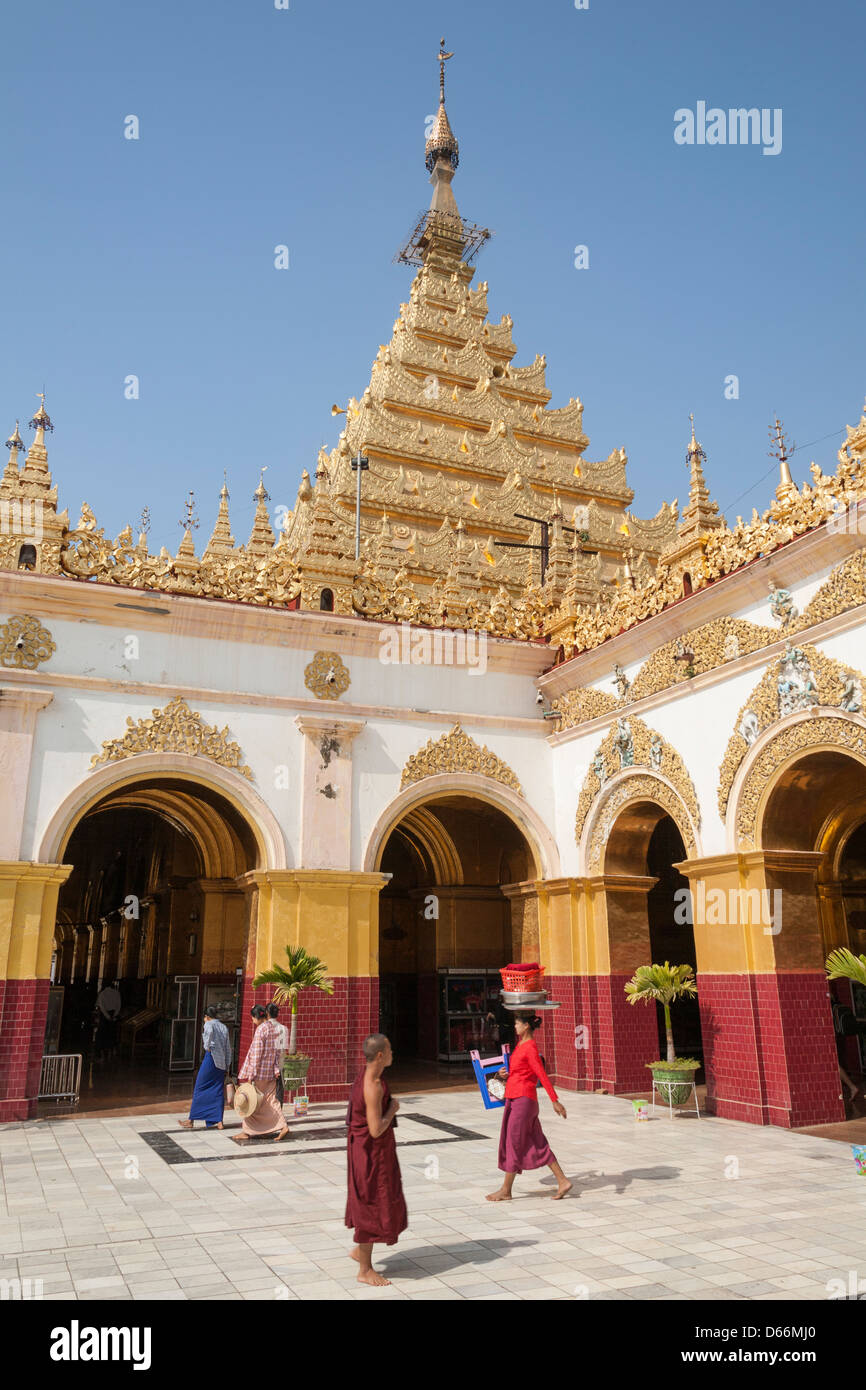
[170, 1151]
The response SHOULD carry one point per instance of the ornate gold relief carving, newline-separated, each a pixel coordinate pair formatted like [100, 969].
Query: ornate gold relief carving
[643, 787]
[843, 589]
[175, 729]
[631, 743]
[327, 676]
[583, 703]
[766, 705]
[712, 645]
[457, 752]
[823, 730]
[24, 642]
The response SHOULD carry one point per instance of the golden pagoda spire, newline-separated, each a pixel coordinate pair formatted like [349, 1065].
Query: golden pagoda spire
[222, 542]
[36, 463]
[701, 513]
[14, 444]
[262, 538]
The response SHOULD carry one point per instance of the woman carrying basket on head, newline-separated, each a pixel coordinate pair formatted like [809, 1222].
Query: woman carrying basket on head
[522, 1144]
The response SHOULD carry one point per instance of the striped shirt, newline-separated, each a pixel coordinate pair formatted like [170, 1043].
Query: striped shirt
[216, 1041]
[263, 1058]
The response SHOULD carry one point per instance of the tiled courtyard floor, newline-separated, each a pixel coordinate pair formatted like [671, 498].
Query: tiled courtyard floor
[133, 1207]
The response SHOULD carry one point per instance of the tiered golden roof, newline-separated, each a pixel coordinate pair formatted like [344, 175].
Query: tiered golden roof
[468, 469]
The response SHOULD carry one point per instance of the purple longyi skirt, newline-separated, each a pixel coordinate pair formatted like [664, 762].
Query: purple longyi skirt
[521, 1140]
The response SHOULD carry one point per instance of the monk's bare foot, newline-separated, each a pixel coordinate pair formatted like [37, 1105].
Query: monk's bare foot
[219, 1126]
[372, 1276]
[241, 1138]
[561, 1190]
[185, 1124]
[355, 1253]
[282, 1134]
[499, 1196]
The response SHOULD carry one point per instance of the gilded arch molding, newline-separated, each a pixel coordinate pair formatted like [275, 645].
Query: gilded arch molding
[631, 745]
[174, 729]
[830, 730]
[627, 788]
[457, 752]
[763, 708]
[541, 841]
[150, 768]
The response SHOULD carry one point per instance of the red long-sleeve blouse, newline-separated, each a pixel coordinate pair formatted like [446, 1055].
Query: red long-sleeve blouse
[525, 1068]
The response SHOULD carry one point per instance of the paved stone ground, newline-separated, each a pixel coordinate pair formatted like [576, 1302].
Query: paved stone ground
[133, 1208]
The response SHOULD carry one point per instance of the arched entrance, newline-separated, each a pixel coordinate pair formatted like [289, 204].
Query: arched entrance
[814, 814]
[153, 921]
[649, 916]
[460, 904]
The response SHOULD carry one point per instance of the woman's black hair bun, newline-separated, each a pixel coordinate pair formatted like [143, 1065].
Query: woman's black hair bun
[258, 1011]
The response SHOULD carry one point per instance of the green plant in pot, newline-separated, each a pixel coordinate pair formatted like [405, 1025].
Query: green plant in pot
[844, 965]
[303, 972]
[664, 984]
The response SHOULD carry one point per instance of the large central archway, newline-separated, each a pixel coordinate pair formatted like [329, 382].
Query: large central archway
[153, 922]
[460, 904]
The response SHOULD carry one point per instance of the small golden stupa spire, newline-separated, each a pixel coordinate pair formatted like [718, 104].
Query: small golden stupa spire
[186, 549]
[701, 513]
[36, 463]
[782, 452]
[262, 538]
[14, 444]
[222, 542]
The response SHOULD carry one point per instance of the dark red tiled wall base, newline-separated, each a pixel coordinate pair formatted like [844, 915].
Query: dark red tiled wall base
[597, 1040]
[22, 1035]
[331, 1029]
[769, 1049]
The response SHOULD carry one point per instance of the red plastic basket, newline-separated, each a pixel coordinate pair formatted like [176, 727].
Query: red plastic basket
[518, 980]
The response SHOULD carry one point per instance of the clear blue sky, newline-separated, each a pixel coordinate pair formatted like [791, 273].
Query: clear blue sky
[306, 127]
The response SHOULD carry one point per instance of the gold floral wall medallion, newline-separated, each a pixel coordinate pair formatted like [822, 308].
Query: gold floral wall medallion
[457, 752]
[24, 642]
[175, 729]
[326, 676]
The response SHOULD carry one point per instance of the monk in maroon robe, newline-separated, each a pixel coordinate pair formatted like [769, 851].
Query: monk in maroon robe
[376, 1206]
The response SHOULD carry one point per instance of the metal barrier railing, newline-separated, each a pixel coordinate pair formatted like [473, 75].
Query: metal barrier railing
[61, 1076]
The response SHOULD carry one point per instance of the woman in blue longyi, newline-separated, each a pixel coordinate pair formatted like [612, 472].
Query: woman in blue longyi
[208, 1097]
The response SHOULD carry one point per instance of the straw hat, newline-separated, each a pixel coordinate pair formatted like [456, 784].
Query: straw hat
[246, 1100]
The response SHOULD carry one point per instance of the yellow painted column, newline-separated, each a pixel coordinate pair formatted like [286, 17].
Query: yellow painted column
[334, 914]
[769, 1048]
[28, 912]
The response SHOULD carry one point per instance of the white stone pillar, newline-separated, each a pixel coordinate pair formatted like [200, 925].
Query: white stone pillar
[19, 707]
[326, 791]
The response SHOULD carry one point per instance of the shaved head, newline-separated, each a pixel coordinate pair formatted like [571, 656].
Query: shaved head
[373, 1045]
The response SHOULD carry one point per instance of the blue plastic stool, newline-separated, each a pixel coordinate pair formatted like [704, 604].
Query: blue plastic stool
[484, 1067]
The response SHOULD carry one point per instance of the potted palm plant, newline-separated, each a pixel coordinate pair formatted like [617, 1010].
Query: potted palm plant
[664, 984]
[844, 965]
[303, 972]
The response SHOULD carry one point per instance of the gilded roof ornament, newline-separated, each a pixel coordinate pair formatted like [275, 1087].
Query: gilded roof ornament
[441, 143]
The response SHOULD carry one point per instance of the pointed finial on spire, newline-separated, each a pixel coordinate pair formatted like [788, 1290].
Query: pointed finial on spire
[261, 493]
[441, 143]
[41, 421]
[782, 451]
[190, 521]
[143, 528]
